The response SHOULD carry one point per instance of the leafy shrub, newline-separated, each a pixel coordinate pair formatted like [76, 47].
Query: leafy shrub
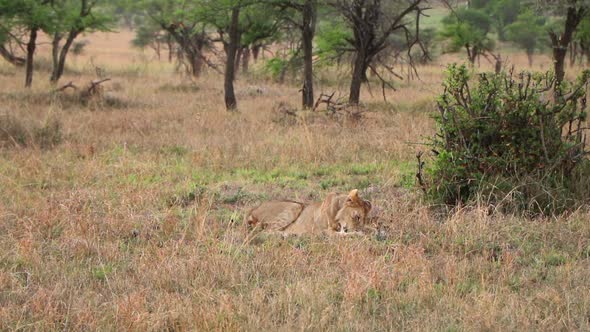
[276, 67]
[516, 142]
[332, 41]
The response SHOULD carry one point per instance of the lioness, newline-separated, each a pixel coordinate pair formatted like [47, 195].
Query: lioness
[338, 213]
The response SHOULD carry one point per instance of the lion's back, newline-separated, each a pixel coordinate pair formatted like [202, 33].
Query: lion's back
[309, 222]
[274, 215]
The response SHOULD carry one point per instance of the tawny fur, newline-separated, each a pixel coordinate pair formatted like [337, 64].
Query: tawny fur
[342, 213]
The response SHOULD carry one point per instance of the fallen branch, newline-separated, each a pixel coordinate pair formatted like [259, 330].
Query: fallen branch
[323, 99]
[331, 106]
[65, 87]
[93, 89]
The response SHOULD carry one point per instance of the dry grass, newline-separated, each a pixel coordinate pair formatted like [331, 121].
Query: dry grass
[133, 222]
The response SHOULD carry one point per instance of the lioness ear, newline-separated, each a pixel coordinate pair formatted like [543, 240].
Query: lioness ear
[353, 196]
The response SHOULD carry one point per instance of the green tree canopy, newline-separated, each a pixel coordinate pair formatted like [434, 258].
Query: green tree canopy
[469, 29]
[504, 13]
[528, 32]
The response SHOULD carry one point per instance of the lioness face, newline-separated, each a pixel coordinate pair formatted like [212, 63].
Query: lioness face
[353, 214]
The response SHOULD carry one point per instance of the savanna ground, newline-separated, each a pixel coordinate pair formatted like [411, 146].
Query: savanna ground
[134, 221]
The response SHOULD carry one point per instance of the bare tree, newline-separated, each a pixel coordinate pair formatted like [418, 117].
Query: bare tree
[373, 22]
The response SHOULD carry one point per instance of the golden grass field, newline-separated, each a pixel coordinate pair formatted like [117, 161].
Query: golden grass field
[134, 221]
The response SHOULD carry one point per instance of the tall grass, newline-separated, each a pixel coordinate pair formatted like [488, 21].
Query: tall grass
[133, 221]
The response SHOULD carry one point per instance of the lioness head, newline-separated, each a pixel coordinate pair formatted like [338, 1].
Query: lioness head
[348, 212]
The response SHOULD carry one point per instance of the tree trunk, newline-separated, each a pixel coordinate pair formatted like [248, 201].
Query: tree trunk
[359, 72]
[63, 54]
[234, 41]
[255, 52]
[471, 54]
[31, 45]
[559, 63]
[57, 37]
[573, 53]
[307, 35]
[190, 47]
[560, 43]
[584, 52]
[170, 45]
[8, 56]
[196, 64]
[237, 61]
[498, 65]
[157, 50]
[246, 60]
[196, 53]
[529, 55]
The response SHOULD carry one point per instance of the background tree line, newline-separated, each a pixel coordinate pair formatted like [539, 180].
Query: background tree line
[369, 36]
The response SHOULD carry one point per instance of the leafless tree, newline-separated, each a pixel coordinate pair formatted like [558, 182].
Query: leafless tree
[373, 22]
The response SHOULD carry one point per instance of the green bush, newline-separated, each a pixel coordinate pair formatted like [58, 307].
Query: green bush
[514, 142]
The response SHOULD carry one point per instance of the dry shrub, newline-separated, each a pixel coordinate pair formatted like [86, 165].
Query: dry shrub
[284, 114]
[180, 88]
[93, 95]
[348, 116]
[12, 131]
[21, 133]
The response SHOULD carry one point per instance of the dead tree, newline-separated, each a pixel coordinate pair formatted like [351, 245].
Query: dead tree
[372, 23]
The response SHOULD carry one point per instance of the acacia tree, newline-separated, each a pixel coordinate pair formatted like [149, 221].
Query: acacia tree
[305, 20]
[528, 32]
[239, 23]
[373, 22]
[182, 21]
[75, 17]
[150, 34]
[258, 25]
[503, 13]
[468, 29]
[31, 17]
